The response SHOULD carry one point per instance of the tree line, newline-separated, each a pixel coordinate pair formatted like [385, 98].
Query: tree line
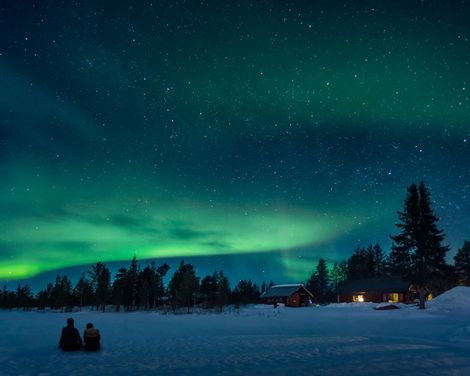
[417, 255]
[136, 288]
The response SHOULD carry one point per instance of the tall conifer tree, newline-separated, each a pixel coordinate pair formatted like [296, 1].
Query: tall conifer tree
[404, 244]
[462, 264]
[417, 253]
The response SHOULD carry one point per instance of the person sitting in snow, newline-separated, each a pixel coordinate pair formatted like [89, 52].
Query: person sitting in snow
[91, 337]
[70, 339]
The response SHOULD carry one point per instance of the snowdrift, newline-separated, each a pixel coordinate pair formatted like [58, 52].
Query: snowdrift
[454, 300]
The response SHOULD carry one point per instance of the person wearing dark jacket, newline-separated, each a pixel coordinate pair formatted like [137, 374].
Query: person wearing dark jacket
[70, 339]
[91, 337]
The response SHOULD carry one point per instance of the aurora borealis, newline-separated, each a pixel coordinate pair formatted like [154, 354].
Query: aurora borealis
[250, 136]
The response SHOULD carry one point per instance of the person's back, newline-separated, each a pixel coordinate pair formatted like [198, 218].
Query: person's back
[70, 339]
[91, 337]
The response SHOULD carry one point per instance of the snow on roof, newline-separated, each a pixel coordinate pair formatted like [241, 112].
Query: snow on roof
[280, 291]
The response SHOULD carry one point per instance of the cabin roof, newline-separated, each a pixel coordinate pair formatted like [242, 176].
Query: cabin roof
[281, 291]
[380, 285]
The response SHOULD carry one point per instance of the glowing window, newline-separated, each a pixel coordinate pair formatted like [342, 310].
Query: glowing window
[393, 298]
[358, 298]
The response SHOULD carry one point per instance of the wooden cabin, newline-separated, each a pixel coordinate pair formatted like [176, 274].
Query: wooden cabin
[376, 290]
[291, 295]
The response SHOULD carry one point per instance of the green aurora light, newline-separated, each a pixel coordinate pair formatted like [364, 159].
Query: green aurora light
[285, 130]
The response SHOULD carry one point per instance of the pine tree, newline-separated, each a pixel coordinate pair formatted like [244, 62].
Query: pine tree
[183, 285]
[133, 278]
[404, 244]
[146, 281]
[208, 290]
[223, 291]
[418, 254]
[24, 297]
[62, 293]
[41, 299]
[162, 270]
[319, 282]
[380, 261]
[49, 295]
[120, 289]
[462, 264]
[263, 287]
[361, 264]
[428, 261]
[339, 274]
[100, 278]
[246, 292]
[3, 297]
[83, 292]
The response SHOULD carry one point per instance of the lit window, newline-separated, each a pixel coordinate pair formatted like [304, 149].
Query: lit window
[358, 298]
[393, 298]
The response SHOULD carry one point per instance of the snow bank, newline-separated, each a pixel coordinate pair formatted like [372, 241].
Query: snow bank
[454, 300]
[352, 305]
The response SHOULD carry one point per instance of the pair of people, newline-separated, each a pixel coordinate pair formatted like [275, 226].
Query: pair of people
[70, 339]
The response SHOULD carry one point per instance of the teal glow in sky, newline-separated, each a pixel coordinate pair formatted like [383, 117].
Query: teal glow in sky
[270, 132]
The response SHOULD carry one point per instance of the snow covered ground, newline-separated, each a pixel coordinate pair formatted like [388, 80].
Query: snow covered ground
[339, 339]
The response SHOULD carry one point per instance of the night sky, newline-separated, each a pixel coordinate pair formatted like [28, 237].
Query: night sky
[253, 136]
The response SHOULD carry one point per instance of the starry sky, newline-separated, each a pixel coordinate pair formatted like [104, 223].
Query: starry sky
[252, 136]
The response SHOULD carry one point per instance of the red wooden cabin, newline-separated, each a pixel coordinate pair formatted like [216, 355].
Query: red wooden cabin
[291, 295]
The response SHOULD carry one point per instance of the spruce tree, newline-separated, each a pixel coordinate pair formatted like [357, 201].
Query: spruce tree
[133, 280]
[430, 236]
[100, 278]
[62, 293]
[24, 297]
[3, 297]
[428, 261]
[339, 273]
[162, 270]
[361, 264]
[418, 254]
[223, 291]
[208, 290]
[380, 261]
[462, 264]
[121, 293]
[183, 285]
[145, 281]
[41, 299]
[263, 287]
[319, 282]
[48, 294]
[83, 292]
[404, 244]
[246, 292]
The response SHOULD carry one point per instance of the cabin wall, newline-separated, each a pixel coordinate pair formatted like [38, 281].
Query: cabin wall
[274, 300]
[293, 300]
[299, 298]
[373, 297]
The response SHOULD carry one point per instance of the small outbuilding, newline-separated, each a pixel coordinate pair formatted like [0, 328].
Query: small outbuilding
[376, 290]
[295, 295]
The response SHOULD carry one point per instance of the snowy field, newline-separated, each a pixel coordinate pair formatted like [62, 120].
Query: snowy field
[339, 339]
